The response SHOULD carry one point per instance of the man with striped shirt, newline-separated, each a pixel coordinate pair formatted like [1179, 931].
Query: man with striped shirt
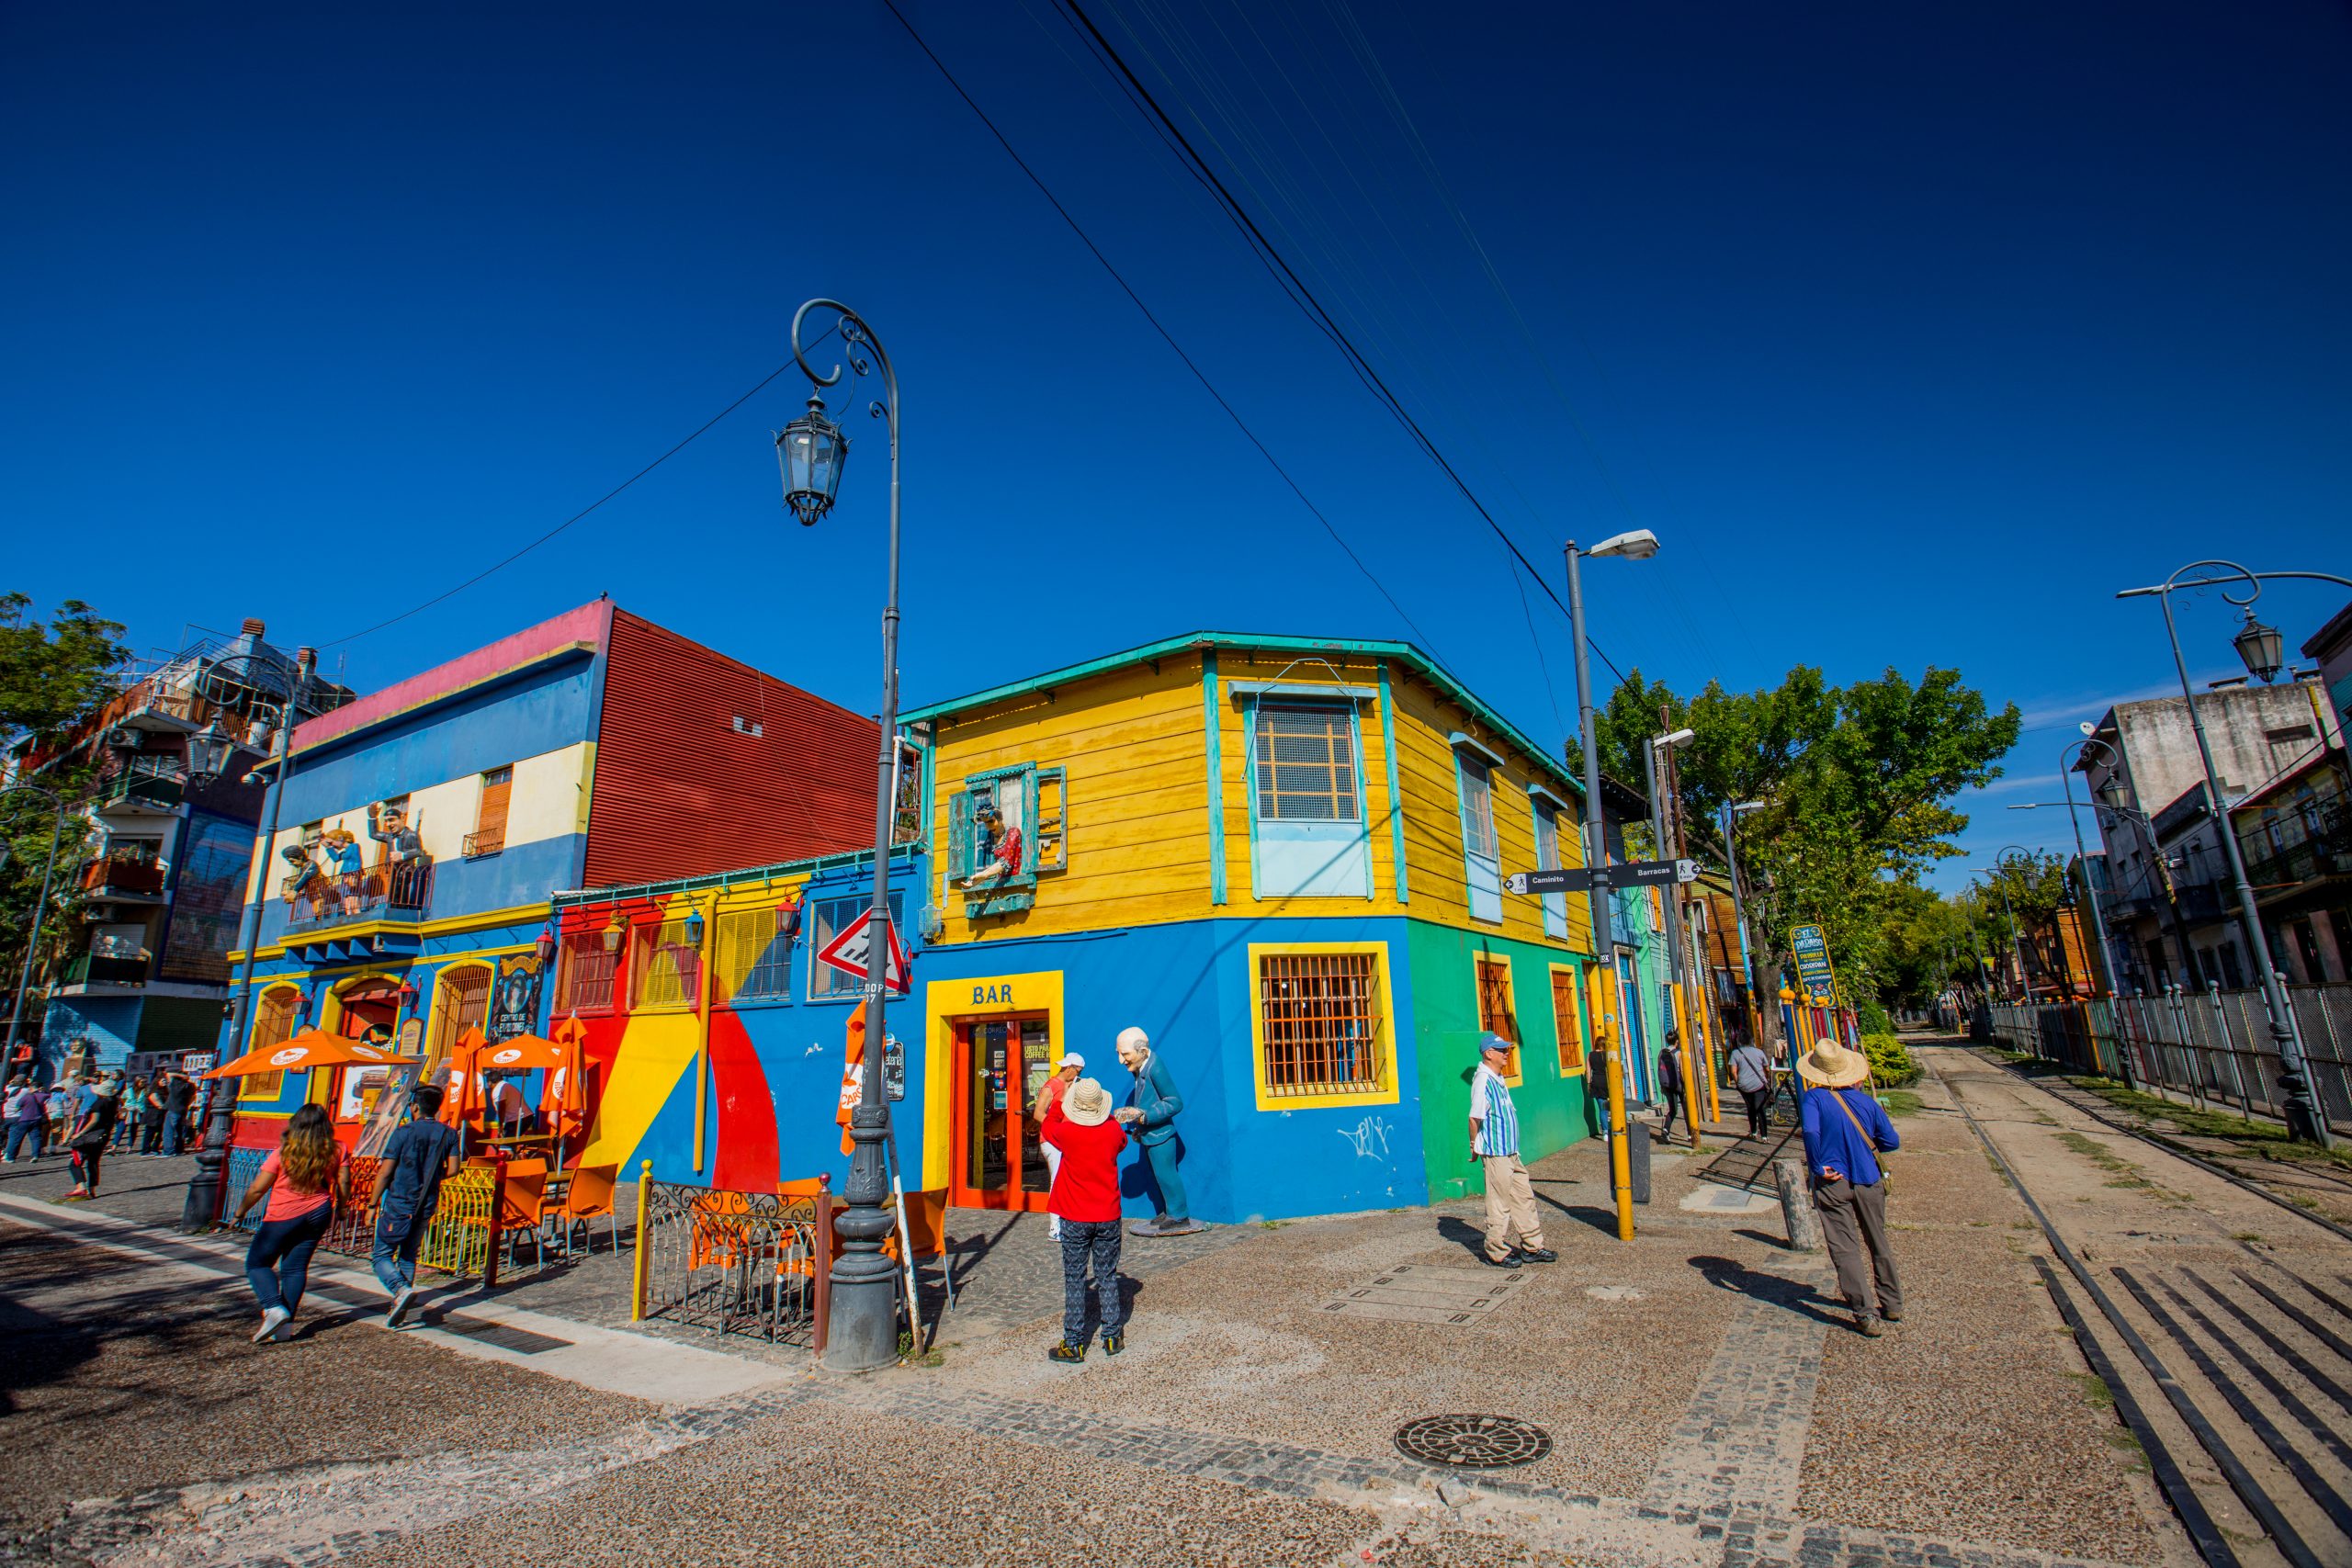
[1494, 1142]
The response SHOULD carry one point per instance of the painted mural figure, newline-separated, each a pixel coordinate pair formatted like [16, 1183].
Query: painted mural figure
[403, 859]
[1149, 1115]
[1003, 855]
[342, 853]
[303, 881]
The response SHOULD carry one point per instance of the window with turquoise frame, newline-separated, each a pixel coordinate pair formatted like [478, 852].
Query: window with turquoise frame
[1004, 828]
[1309, 837]
[1476, 770]
[1547, 858]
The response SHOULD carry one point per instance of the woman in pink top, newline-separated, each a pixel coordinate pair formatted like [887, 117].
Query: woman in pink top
[302, 1180]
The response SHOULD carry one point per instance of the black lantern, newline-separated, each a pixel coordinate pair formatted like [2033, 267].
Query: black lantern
[2262, 648]
[207, 753]
[2112, 794]
[810, 453]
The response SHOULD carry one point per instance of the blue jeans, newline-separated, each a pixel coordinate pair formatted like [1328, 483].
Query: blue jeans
[172, 1126]
[21, 1133]
[1085, 1240]
[277, 1265]
[398, 1237]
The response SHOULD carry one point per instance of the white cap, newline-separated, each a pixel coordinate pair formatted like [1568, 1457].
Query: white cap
[1072, 1059]
[1132, 1038]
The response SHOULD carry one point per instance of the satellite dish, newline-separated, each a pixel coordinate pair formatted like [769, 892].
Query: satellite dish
[2087, 728]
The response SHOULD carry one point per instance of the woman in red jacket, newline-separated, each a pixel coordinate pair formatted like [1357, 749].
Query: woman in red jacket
[1086, 1200]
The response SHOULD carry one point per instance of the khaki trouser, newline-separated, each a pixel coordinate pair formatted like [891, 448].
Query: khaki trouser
[1510, 1205]
[1852, 1218]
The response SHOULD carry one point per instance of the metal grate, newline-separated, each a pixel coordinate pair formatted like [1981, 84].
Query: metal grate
[1473, 1442]
[754, 951]
[1321, 1021]
[584, 975]
[664, 966]
[1306, 766]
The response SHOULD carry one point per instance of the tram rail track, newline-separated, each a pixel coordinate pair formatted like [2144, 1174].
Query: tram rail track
[2243, 1368]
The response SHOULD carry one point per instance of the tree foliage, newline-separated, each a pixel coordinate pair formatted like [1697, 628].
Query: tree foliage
[1855, 784]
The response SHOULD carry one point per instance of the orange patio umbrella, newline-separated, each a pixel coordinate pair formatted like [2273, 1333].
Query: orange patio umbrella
[565, 1101]
[464, 1101]
[312, 1048]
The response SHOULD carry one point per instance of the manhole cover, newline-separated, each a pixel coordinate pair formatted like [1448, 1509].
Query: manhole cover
[1473, 1442]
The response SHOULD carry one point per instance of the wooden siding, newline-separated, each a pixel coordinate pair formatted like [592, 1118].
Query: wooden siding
[1135, 744]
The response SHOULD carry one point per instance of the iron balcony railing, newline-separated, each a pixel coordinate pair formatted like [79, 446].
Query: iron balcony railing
[400, 892]
[2313, 842]
[152, 781]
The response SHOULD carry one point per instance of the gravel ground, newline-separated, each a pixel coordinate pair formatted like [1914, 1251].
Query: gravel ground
[120, 1377]
[1972, 1415]
[801, 1488]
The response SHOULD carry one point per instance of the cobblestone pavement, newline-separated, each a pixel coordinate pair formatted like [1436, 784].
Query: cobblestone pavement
[1707, 1406]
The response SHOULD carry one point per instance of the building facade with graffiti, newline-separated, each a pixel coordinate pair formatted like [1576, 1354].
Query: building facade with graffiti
[426, 828]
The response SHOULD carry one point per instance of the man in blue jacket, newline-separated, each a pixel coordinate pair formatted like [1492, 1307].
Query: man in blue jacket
[1845, 1130]
[1150, 1117]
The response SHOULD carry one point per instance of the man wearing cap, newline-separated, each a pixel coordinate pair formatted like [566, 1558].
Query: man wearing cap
[1494, 1142]
[1048, 1093]
[1844, 1129]
[1086, 1199]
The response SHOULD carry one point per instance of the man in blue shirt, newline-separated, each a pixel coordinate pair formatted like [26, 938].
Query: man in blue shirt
[1494, 1144]
[1845, 1131]
[408, 1186]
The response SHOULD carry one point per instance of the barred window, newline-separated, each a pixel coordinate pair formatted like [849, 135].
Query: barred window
[275, 1016]
[1496, 1012]
[1307, 765]
[584, 975]
[1477, 806]
[753, 946]
[664, 969]
[461, 1001]
[1567, 1018]
[1320, 1016]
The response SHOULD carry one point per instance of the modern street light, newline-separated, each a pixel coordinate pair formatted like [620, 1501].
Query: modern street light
[1666, 827]
[2017, 931]
[209, 756]
[862, 1327]
[2258, 647]
[40, 914]
[1638, 544]
[1731, 814]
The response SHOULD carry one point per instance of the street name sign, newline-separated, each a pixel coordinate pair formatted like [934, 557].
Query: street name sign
[851, 951]
[1578, 879]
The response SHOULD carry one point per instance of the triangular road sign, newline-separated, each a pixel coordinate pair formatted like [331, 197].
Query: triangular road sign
[851, 951]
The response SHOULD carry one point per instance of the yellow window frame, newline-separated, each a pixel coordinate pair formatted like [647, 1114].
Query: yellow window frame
[1384, 1040]
[268, 1085]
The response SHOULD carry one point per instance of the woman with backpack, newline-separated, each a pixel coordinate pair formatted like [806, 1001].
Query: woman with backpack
[303, 1180]
[1846, 1130]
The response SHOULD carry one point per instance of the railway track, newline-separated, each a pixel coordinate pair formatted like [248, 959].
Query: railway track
[2230, 1363]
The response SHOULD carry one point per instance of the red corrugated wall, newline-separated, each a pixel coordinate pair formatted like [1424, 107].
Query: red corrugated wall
[679, 791]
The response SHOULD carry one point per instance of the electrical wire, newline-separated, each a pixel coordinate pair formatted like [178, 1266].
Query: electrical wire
[1199, 375]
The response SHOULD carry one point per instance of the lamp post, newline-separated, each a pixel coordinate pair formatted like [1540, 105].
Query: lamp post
[1666, 824]
[40, 914]
[209, 757]
[861, 1332]
[1731, 816]
[2258, 647]
[1638, 544]
[2016, 931]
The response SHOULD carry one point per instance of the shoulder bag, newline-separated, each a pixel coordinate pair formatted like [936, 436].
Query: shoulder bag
[1886, 1174]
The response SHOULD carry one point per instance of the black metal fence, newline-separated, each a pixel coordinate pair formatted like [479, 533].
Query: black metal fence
[735, 1263]
[2215, 1046]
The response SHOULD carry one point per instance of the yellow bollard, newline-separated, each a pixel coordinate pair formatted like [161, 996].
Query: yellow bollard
[644, 1199]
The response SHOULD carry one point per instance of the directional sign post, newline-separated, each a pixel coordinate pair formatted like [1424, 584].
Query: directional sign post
[1629, 874]
[851, 951]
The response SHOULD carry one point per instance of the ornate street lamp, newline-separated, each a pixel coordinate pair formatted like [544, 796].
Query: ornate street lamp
[2257, 644]
[2261, 647]
[810, 453]
[209, 751]
[861, 1331]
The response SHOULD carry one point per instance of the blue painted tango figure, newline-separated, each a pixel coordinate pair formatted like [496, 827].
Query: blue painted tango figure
[1150, 1117]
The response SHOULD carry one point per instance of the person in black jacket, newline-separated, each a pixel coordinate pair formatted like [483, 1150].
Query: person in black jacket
[1670, 1083]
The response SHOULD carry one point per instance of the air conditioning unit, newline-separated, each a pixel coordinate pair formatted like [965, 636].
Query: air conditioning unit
[123, 737]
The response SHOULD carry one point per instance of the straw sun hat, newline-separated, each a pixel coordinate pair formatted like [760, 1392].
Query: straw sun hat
[1088, 1103]
[1831, 1065]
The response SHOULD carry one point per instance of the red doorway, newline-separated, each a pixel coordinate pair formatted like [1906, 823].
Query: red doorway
[995, 1159]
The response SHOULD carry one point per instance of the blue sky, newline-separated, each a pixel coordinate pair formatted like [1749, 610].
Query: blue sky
[1914, 331]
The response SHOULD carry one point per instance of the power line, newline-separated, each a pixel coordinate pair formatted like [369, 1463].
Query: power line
[1198, 374]
[1303, 297]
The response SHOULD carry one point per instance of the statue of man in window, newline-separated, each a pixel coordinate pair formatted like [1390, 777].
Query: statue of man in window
[1003, 855]
[388, 826]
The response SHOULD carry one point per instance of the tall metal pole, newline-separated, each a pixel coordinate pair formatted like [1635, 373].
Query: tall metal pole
[40, 914]
[2083, 859]
[200, 1210]
[1739, 915]
[1604, 946]
[2302, 1114]
[862, 1323]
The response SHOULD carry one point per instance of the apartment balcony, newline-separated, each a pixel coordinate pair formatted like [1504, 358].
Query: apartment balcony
[102, 969]
[125, 876]
[396, 894]
[164, 710]
[147, 786]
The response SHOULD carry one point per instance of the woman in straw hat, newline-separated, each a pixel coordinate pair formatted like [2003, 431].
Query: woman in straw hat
[1086, 1200]
[1846, 1130]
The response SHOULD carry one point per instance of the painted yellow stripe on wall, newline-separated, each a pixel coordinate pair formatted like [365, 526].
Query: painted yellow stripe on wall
[656, 1051]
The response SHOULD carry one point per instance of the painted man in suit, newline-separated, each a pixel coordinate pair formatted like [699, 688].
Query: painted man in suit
[1150, 1117]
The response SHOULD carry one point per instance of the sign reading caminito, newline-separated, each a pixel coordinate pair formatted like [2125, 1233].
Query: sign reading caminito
[1578, 879]
[1812, 951]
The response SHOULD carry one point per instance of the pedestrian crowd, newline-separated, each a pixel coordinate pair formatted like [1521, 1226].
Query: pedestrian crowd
[88, 1114]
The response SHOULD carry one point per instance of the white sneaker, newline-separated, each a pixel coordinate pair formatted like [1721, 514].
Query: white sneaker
[399, 1306]
[272, 1320]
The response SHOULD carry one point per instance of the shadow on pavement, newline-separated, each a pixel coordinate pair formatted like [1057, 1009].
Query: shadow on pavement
[1730, 1274]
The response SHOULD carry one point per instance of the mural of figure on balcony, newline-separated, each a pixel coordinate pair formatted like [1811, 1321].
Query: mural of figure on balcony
[342, 854]
[303, 882]
[388, 826]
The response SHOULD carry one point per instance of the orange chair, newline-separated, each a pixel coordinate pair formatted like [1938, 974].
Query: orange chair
[518, 1204]
[589, 1197]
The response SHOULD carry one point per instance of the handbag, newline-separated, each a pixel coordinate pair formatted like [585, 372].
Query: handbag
[1886, 1174]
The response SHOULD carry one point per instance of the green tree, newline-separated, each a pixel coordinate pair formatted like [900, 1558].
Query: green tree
[53, 675]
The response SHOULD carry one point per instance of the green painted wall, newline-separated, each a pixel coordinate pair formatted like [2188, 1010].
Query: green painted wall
[1554, 1110]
